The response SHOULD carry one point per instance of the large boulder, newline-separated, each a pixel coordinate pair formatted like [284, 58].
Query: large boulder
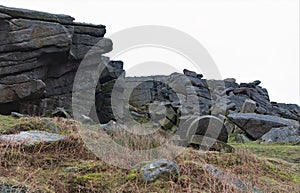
[289, 134]
[208, 126]
[256, 125]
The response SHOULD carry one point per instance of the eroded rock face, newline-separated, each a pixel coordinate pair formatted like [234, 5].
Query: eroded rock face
[39, 56]
[256, 125]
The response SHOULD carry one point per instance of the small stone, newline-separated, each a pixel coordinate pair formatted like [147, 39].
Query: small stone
[18, 115]
[199, 76]
[241, 138]
[260, 110]
[86, 119]
[249, 106]
[190, 73]
[71, 169]
[160, 169]
[232, 80]
[61, 112]
[51, 126]
[256, 82]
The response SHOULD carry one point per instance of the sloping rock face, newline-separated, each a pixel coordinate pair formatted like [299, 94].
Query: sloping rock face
[39, 56]
[257, 125]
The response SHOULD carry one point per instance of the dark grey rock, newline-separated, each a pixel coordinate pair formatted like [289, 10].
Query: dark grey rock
[290, 134]
[190, 73]
[260, 110]
[40, 54]
[209, 144]
[29, 14]
[256, 125]
[233, 80]
[249, 106]
[208, 126]
[10, 93]
[160, 169]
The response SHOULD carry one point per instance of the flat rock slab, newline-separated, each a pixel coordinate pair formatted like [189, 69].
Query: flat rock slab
[32, 137]
[257, 125]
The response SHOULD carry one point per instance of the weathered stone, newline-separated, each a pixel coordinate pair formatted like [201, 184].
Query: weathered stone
[86, 119]
[290, 134]
[189, 73]
[208, 126]
[39, 56]
[260, 110]
[249, 106]
[18, 115]
[257, 125]
[160, 169]
[241, 138]
[50, 124]
[32, 89]
[31, 138]
[24, 13]
[233, 80]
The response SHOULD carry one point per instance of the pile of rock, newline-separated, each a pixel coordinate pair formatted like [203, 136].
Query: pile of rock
[41, 53]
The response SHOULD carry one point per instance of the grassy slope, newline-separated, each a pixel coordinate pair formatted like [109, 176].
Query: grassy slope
[68, 167]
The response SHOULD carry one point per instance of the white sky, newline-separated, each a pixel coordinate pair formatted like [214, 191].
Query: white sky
[248, 39]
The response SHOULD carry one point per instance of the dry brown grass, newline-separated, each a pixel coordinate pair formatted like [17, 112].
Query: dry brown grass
[46, 167]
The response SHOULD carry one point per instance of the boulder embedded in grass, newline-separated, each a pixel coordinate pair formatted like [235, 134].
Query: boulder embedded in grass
[160, 169]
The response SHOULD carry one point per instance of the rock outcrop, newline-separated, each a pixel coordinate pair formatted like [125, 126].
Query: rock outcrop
[39, 56]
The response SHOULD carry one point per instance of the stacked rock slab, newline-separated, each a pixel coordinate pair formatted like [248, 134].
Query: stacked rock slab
[39, 56]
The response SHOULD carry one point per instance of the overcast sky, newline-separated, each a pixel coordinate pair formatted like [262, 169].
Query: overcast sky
[248, 39]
